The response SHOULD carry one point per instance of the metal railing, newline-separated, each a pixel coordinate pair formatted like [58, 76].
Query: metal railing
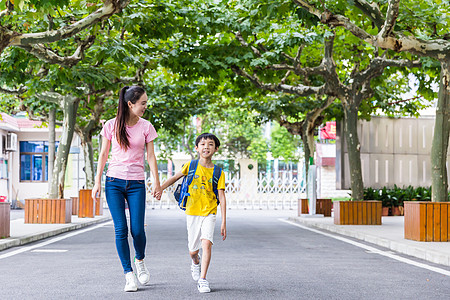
[264, 193]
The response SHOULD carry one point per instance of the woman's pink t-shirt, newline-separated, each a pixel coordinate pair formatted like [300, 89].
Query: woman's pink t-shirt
[129, 164]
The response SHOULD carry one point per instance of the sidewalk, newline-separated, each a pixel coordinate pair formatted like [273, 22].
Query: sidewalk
[21, 233]
[389, 235]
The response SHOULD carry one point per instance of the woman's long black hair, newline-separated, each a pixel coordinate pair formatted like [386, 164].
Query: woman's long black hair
[126, 94]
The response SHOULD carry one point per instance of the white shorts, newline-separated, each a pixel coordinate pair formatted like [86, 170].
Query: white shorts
[200, 228]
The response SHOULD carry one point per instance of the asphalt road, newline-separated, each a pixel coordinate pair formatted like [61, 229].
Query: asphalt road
[262, 258]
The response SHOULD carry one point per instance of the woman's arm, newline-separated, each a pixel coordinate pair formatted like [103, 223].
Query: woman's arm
[151, 158]
[102, 158]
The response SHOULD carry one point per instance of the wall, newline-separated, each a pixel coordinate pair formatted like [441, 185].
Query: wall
[393, 151]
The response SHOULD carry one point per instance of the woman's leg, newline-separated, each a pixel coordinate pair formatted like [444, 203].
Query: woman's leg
[136, 203]
[115, 196]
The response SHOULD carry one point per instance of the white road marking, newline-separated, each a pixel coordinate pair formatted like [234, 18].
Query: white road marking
[373, 250]
[53, 240]
[49, 250]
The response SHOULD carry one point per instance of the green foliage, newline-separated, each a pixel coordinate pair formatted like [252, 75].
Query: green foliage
[396, 196]
[283, 144]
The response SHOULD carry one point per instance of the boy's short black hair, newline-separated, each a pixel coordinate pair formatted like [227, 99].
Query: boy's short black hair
[207, 136]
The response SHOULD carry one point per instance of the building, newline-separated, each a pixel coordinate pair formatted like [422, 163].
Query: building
[24, 156]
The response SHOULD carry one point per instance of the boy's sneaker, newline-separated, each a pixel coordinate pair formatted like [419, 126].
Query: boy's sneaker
[142, 272]
[195, 269]
[131, 285]
[203, 286]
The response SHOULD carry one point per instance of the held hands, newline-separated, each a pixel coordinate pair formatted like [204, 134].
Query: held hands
[157, 192]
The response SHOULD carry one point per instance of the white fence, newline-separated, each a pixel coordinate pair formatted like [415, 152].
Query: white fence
[263, 193]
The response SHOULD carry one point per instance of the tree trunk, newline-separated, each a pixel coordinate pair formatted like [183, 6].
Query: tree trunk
[353, 148]
[88, 152]
[51, 146]
[308, 142]
[70, 105]
[439, 147]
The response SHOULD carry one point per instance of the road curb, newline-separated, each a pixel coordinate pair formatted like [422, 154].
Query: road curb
[425, 254]
[26, 239]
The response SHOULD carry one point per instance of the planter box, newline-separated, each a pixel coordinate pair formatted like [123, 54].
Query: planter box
[323, 206]
[74, 206]
[427, 221]
[357, 212]
[5, 216]
[48, 211]
[98, 206]
[86, 205]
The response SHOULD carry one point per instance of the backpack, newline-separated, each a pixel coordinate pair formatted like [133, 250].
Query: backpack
[182, 191]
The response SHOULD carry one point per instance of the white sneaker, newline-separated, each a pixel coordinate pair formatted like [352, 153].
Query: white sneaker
[195, 270]
[131, 285]
[203, 286]
[142, 272]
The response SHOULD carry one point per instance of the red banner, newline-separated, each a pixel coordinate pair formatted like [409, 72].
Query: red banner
[329, 131]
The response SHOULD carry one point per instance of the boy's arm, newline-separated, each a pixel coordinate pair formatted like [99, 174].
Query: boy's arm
[223, 210]
[171, 180]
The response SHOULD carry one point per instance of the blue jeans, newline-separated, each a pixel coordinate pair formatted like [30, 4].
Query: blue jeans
[133, 191]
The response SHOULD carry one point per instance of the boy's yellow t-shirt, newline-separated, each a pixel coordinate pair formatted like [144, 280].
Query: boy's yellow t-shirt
[202, 200]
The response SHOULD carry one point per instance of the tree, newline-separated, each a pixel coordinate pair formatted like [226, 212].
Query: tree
[276, 47]
[97, 76]
[420, 29]
[17, 17]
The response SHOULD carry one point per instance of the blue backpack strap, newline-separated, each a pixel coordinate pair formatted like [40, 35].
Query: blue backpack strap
[186, 183]
[192, 168]
[216, 175]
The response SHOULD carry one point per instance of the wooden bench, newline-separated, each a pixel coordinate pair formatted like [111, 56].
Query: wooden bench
[86, 205]
[323, 206]
[48, 211]
[5, 216]
[357, 212]
[427, 221]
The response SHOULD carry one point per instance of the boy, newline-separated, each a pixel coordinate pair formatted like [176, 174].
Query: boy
[201, 208]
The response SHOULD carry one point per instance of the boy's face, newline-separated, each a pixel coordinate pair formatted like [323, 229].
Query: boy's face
[206, 148]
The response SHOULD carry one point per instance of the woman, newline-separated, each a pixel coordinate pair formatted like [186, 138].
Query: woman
[128, 135]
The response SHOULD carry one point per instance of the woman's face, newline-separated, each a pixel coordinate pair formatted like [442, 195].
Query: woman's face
[138, 108]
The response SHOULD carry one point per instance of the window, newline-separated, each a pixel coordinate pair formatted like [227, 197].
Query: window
[34, 161]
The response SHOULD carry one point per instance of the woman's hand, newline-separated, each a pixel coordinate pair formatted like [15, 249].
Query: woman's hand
[157, 192]
[95, 190]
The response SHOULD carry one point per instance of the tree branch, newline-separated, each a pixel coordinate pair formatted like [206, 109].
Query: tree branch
[245, 44]
[138, 78]
[110, 7]
[437, 48]
[46, 54]
[300, 90]
[391, 18]
[19, 91]
[372, 11]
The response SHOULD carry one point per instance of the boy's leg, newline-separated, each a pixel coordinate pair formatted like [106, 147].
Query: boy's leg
[194, 256]
[193, 224]
[206, 257]
[207, 235]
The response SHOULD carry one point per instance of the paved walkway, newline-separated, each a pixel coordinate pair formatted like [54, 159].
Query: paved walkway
[389, 235]
[21, 233]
